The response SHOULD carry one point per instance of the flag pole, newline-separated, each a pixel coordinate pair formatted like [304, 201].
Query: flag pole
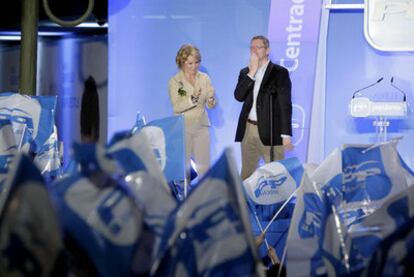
[282, 261]
[260, 227]
[185, 182]
[19, 147]
[280, 210]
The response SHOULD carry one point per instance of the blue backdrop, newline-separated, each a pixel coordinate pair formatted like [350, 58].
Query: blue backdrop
[144, 37]
[351, 63]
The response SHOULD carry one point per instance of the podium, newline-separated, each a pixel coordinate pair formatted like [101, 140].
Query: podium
[381, 111]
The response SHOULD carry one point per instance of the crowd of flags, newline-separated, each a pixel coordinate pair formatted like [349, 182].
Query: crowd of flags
[113, 210]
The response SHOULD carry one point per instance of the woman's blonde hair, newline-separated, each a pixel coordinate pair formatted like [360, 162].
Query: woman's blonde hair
[185, 51]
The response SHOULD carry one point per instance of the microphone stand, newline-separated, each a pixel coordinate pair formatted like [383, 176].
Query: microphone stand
[397, 88]
[364, 88]
[271, 128]
[271, 91]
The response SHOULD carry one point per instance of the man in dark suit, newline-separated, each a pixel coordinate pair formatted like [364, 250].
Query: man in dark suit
[258, 84]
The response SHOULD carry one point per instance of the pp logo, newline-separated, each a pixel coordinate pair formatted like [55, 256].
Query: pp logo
[267, 186]
[389, 25]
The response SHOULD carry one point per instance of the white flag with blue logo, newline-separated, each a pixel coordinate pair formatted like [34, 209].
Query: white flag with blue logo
[30, 236]
[353, 184]
[312, 210]
[274, 182]
[372, 174]
[156, 203]
[392, 216]
[167, 139]
[267, 189]
[145, 179]
[34, 113]
[303, 255]
[209, 233]
[99, 213]
[134, 153]
[32, 118]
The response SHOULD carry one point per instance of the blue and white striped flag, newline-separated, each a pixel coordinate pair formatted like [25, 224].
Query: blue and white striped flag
[209, 233]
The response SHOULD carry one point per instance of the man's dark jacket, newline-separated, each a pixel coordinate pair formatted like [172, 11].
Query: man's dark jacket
[276, 84]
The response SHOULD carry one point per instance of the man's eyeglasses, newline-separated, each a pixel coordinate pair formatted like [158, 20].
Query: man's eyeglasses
[258, 47]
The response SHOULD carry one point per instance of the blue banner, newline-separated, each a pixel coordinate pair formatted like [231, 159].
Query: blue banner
[293, 33]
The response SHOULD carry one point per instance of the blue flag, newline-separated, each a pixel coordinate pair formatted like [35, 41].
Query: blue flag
[167, 139]
[209, 233]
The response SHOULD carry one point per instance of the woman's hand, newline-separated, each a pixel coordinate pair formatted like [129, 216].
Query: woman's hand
[211, 101]
[194, 99]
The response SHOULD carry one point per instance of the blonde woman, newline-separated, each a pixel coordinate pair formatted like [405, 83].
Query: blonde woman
[190, 93]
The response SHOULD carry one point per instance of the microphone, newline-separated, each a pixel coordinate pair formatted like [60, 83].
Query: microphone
[397, 88]
[364, 88]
